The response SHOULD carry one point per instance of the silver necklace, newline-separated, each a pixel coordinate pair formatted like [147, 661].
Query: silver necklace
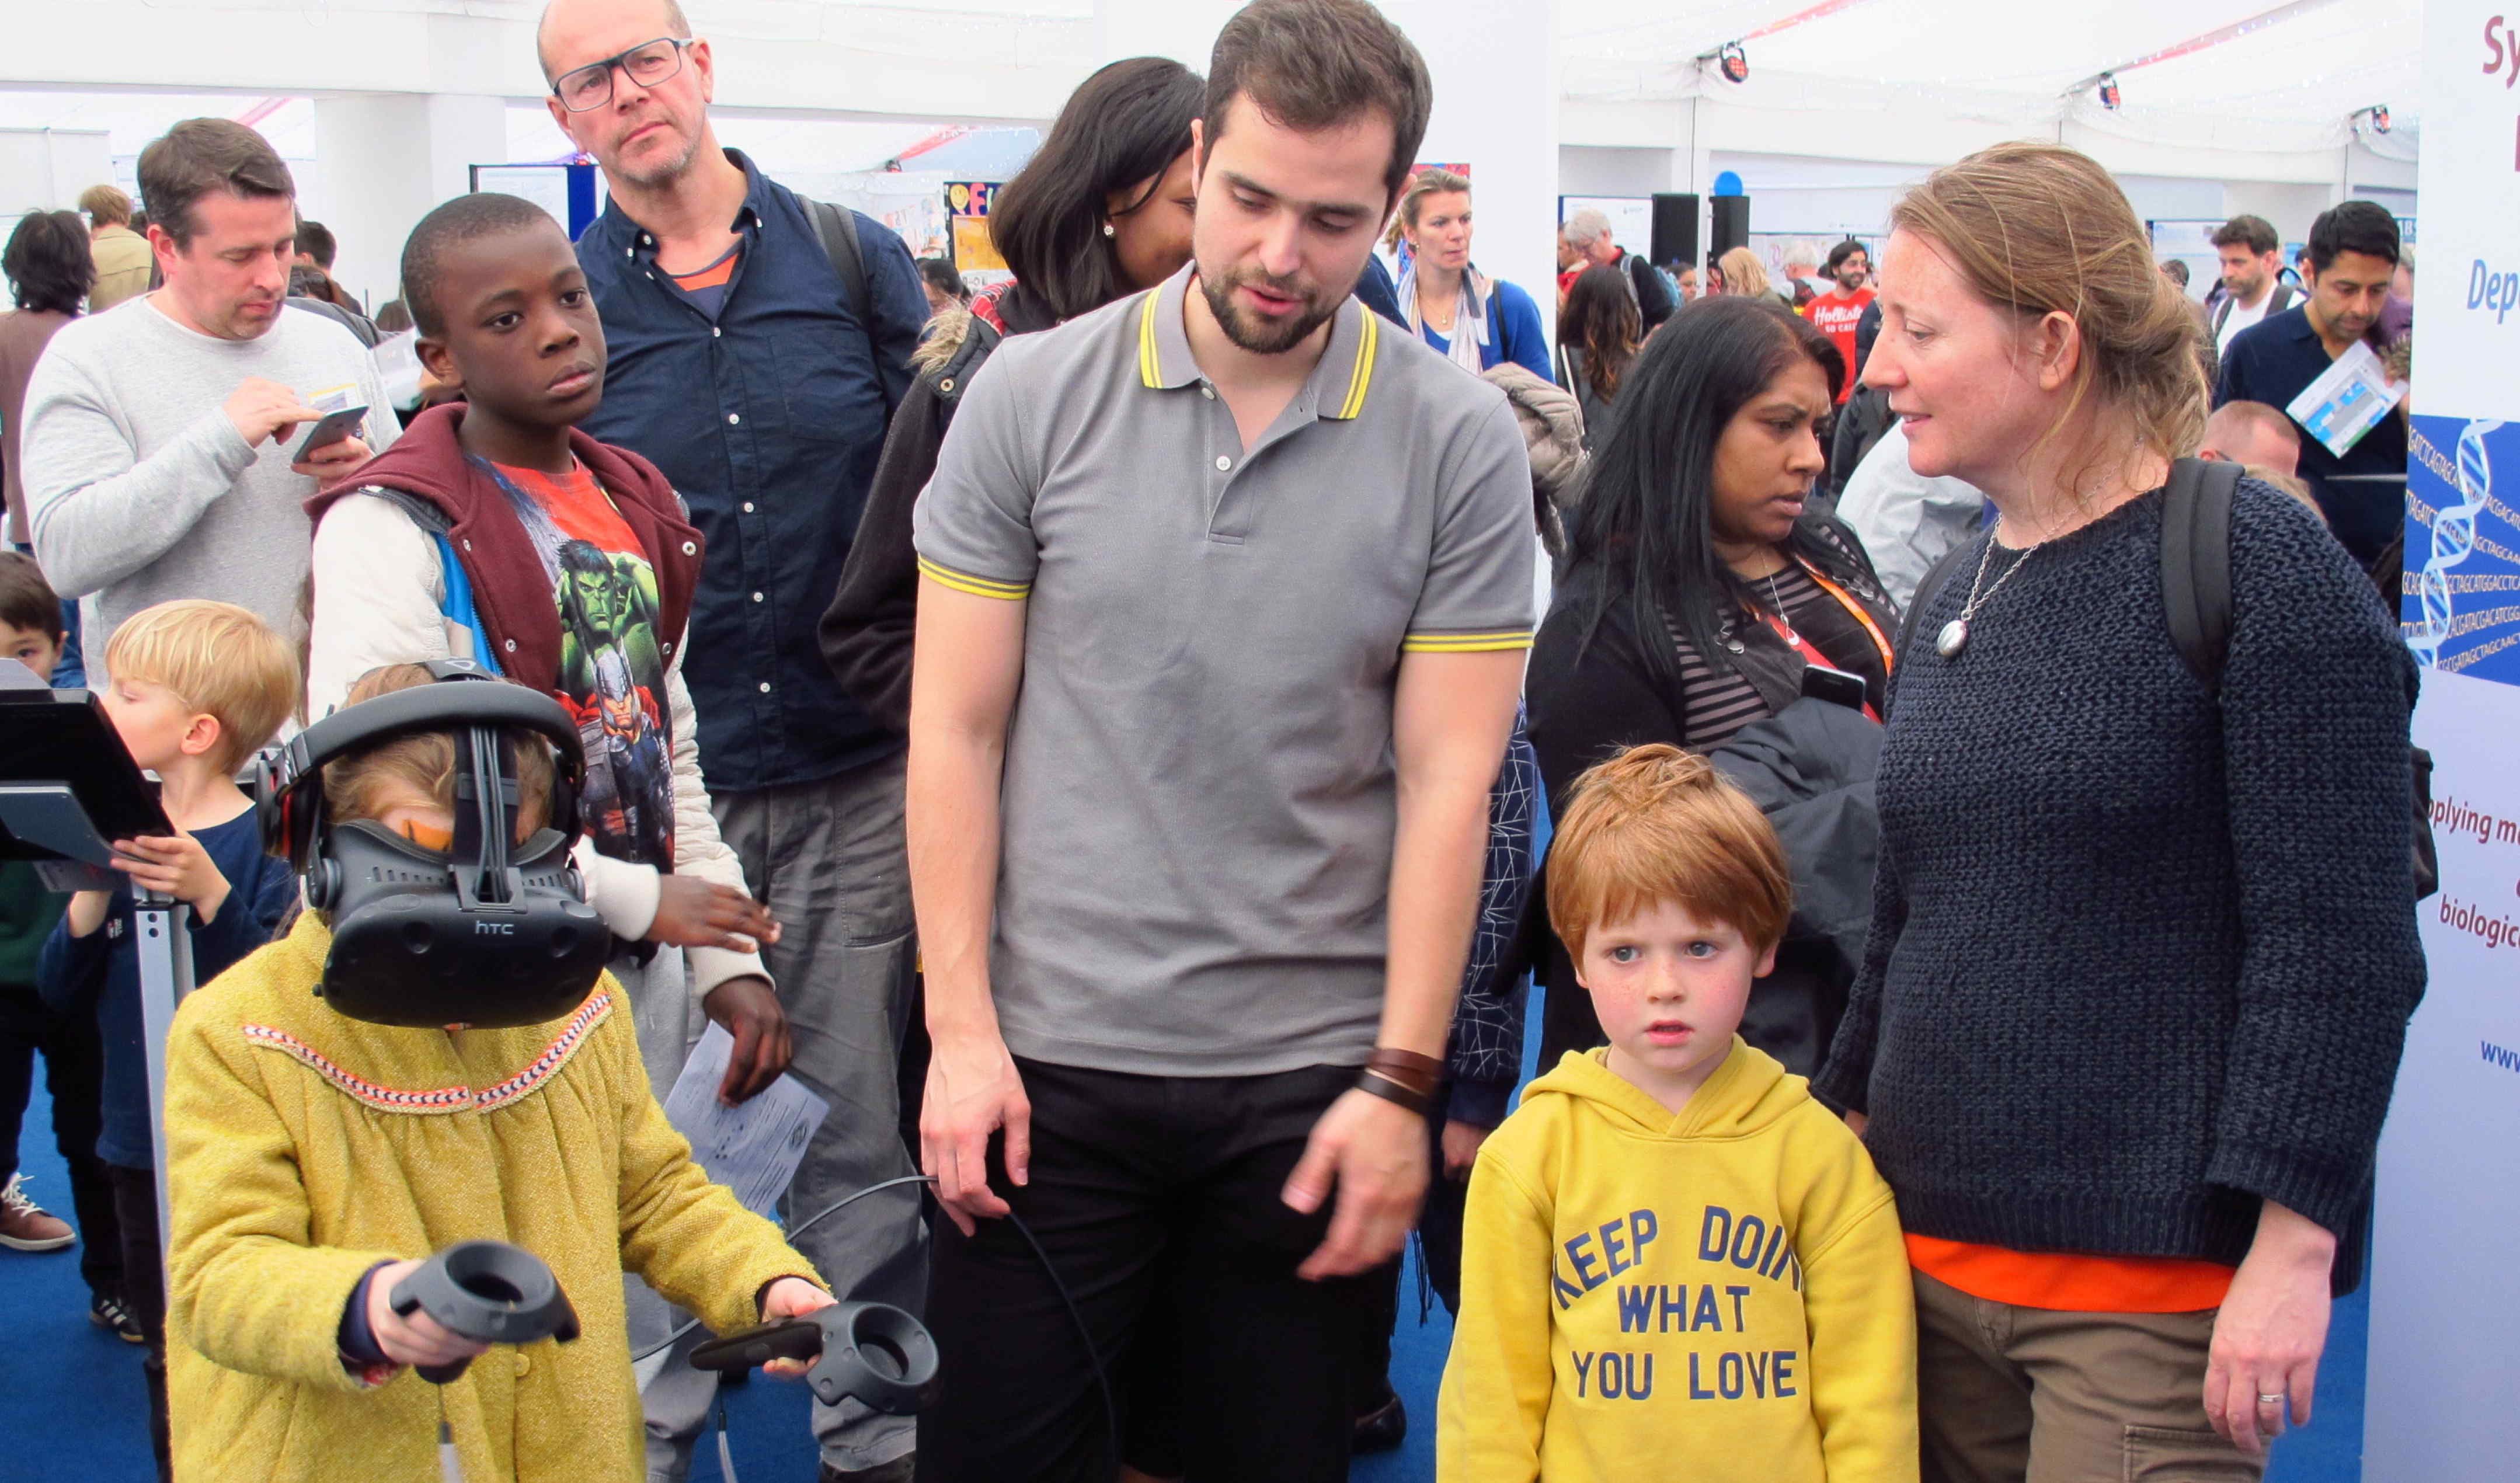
[1954, 636]
[1792, 636]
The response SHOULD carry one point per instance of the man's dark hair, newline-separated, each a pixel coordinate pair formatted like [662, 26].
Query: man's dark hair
[315, 240]
[2356, 226]
[48, 262]
[483, 213]
[1312, 64]
[26, 599]
[2176, 270]
[939, 273]
[1844, 250]
[2255, 233]
[201, 156]
[1123, 125]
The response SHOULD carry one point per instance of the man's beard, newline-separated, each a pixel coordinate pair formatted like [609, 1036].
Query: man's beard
[1263, 338]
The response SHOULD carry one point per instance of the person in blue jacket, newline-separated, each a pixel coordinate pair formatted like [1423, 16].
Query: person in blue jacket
[1478, 321]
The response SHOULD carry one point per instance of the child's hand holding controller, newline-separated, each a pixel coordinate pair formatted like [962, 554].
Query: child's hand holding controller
[176, 867]
[418, 1339]
[791, 1297]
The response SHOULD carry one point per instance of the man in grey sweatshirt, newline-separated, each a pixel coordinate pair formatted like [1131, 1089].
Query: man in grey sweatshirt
[159, 435]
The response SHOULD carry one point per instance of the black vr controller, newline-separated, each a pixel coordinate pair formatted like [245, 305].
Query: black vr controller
[871, 1351]
[492, 1293]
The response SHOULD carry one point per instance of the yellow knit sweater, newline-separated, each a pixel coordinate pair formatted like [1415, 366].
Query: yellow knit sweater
[304, 1148]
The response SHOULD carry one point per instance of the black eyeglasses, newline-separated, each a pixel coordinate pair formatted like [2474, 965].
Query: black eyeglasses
[648, 64]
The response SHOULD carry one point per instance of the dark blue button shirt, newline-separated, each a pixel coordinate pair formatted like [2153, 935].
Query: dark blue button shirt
[2272, 361]
[768, 418]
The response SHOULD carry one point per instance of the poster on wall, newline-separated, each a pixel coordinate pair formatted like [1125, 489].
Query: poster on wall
[2444, 1397]
[975, 252]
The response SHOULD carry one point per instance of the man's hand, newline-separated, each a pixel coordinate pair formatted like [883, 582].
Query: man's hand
[332, 460]
[692, 912]
[1462, 1148]
[791, 1297]
[2270, 1332]
[262, 409]
[176, 867]
[749, 1011]
[418, 1339]
[1375, 1152]
[973, 1090]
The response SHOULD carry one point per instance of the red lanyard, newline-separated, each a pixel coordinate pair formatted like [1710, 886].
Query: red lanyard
[1871, 630]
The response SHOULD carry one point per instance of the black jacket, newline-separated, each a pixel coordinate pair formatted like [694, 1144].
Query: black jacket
[866, 632]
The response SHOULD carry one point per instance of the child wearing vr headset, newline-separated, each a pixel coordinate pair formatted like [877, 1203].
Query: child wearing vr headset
[431, 1055]
[494, 530]
[196, 687]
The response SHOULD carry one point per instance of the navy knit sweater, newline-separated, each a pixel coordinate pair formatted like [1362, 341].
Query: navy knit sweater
[2139, 960]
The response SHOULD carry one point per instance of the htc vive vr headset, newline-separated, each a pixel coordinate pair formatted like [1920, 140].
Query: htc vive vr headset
[491, 933]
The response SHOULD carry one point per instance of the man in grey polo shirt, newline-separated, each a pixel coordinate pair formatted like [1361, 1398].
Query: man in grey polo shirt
[1225, 591]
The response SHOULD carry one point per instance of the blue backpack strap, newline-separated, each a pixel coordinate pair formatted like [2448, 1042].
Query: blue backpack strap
[458, 607]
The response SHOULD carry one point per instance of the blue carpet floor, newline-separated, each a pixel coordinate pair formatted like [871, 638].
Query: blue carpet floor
[71, 1404]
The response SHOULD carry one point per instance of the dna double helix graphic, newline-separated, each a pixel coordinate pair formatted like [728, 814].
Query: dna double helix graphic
[2454, 540]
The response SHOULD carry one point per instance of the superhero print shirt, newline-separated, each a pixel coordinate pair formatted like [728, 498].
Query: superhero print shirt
[612, 658]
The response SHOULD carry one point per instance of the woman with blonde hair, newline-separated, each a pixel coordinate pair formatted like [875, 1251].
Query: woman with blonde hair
[2144, 943]
[1745, 277]
[1479, 322]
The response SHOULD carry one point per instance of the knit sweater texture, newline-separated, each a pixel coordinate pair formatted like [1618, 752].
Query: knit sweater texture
[304, 1148]
[2139, 958]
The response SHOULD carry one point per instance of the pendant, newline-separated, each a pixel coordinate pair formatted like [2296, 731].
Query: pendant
[1953, 639]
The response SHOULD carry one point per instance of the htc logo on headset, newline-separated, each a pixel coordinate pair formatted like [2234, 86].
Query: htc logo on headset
[499, 928]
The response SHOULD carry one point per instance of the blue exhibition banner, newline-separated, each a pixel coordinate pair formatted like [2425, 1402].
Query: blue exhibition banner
[2462, 593]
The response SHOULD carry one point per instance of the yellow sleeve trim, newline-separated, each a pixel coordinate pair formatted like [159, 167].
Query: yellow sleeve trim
[1465, 642]
[979, 587]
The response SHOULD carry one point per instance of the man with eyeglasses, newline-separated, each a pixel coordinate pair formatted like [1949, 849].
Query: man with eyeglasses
[760, 376]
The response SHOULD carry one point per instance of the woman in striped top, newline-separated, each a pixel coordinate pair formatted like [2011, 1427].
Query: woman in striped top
[1697, 589]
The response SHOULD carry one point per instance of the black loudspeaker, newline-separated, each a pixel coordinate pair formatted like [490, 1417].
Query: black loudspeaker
[1732, 224]
[1675, 230]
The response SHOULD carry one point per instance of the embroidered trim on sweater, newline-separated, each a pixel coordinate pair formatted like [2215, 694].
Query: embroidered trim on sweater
[540, 1069]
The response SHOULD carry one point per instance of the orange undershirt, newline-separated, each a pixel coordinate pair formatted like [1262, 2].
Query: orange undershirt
[716, 273]
[2071, 1281]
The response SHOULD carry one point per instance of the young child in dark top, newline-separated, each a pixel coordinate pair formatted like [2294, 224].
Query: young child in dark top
[197, 688]
[31, 633]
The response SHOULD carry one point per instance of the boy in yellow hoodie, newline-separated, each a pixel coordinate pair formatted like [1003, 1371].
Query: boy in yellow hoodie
[313, 1158]
[1676, 1265]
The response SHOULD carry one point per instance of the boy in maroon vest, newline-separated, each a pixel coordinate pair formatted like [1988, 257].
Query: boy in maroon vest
[494, 530]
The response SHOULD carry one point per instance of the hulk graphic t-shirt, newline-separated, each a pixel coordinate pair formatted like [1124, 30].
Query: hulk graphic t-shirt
[612, 662]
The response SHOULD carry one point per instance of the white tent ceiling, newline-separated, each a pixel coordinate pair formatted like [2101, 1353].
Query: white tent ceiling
[2265, 76]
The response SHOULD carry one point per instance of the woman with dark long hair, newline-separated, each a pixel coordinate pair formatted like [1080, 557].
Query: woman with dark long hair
[1697, 590]
[50, 273]
[1101, 212]
[1596, 343]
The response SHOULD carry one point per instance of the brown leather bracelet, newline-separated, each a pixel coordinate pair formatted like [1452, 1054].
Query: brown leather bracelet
[1419, 1073]
[1395, 1093]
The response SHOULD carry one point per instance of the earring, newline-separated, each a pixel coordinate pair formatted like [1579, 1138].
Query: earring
[1109, 230]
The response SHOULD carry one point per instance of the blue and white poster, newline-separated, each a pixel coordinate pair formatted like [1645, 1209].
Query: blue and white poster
[2444, 1398]
[2462, 593]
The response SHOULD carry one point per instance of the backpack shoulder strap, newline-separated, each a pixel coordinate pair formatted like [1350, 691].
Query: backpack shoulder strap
[2196, 564]
[1935, 577]
[838, 228]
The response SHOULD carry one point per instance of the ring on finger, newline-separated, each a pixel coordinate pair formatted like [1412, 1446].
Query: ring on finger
[2270, 1400]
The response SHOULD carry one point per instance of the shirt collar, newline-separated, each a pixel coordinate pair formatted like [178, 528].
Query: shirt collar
[1335, 390]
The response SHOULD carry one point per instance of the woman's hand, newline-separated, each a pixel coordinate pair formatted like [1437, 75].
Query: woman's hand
[2271, 1331]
